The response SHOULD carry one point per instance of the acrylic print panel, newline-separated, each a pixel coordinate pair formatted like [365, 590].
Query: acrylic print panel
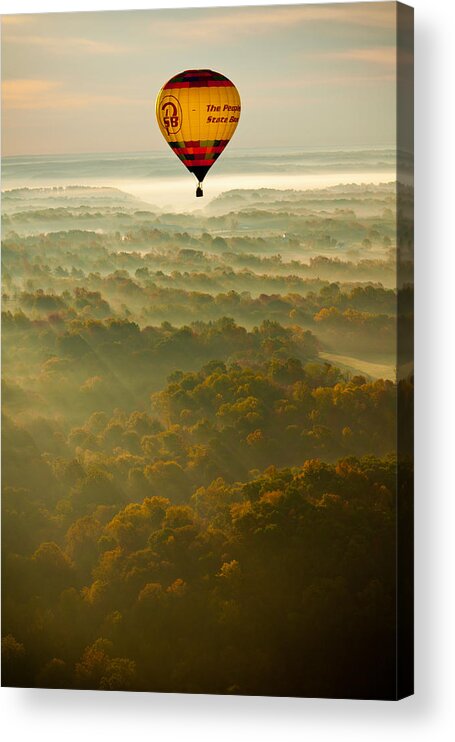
[207, 350]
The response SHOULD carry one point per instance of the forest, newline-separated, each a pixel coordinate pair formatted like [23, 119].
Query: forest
[196, 496]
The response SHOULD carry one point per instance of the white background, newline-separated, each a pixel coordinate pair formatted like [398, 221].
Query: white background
[63, 715]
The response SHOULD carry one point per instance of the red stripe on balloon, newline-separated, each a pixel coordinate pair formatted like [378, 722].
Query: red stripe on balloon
[200, 150]
[180, 146]
[198, 163]
[199, 84]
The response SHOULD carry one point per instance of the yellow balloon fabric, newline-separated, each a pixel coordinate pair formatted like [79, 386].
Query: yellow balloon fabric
[198, 112]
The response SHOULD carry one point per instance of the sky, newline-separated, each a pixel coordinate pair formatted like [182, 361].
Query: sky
[308, 75]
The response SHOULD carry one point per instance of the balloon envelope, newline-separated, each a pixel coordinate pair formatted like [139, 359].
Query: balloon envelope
[198, 112]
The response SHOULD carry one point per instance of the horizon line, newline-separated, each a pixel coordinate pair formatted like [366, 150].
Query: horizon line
[340, 148]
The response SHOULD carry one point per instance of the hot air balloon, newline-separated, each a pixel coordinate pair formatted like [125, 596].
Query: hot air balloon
[198, 112]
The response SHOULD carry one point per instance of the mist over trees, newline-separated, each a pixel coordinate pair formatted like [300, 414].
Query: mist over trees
[194, 498]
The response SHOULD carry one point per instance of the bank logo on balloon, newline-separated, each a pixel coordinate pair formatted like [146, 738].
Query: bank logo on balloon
[171, 115]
